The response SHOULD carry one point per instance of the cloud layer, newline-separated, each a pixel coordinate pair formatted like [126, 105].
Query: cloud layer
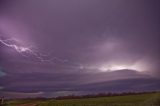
[82, 43]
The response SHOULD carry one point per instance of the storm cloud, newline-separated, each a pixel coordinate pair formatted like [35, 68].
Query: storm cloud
[67, 46]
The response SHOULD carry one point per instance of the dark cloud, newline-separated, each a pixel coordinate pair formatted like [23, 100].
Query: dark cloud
[2, 73]
[53, 82]
[79, 40]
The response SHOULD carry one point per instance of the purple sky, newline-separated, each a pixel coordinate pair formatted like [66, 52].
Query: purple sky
[60, 47]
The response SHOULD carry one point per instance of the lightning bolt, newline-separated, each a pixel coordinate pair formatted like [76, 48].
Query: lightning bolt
[30, 51]
[19, 49]
[12, 43]
[27, 51]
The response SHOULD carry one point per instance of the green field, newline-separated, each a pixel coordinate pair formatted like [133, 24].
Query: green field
[151, 99]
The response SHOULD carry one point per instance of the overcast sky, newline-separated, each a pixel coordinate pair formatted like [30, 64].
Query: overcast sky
[58, 47]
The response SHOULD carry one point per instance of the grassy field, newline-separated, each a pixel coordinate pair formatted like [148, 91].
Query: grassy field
[152, 99]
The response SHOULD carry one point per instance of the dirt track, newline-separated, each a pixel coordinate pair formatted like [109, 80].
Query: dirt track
[28, 104]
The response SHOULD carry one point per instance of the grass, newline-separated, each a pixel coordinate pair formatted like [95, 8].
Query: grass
[151, 99]
[20, 102]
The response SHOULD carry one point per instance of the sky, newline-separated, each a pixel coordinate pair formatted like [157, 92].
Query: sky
[60, 47]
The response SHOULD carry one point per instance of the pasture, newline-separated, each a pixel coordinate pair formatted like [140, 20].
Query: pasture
[151, 99]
